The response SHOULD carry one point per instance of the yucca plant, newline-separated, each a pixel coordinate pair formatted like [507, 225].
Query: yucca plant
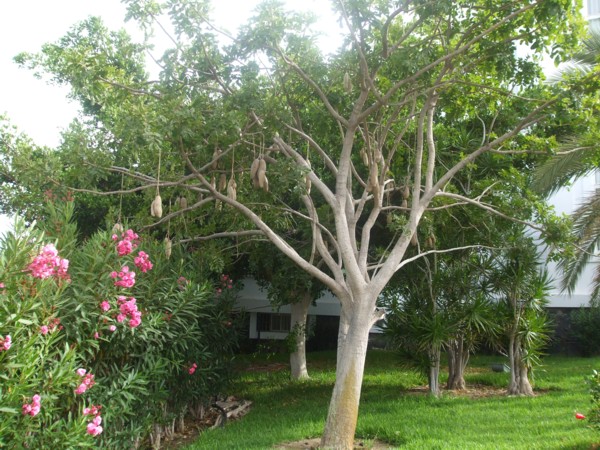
[522, 288]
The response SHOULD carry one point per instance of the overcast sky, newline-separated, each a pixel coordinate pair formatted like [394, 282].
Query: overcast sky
[41, 110]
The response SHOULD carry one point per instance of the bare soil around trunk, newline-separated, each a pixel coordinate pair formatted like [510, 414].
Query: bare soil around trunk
[313, 444]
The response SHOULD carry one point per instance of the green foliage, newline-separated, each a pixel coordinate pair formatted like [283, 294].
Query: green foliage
[143, 373]
[522, 287]
[36, 363]
[585, 330]
[594, 413]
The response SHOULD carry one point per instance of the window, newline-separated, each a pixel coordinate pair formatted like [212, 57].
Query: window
[593, 8]
[273, 322]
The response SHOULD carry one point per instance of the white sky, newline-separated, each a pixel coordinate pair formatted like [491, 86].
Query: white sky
[41, 110]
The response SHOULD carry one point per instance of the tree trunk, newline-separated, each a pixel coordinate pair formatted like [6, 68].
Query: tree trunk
[519, 372]
[298, 326]
[434, 371]
[352, 351]
[458, 358]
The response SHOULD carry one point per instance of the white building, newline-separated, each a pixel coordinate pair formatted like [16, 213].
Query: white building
[566, 200]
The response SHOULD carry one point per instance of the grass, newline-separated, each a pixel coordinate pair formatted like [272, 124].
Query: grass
[395, 411]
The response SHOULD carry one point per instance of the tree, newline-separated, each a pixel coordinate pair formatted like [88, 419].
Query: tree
[417, 325]
[287, 286]
[369, 117]
[523, 289]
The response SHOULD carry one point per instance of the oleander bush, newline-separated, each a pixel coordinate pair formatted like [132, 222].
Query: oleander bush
[107, 343]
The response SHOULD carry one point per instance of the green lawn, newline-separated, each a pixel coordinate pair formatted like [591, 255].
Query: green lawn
[395, 410]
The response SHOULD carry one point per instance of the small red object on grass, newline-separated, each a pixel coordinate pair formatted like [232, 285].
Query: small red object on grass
[579, 416]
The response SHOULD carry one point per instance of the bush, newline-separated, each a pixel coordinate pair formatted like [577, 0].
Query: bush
[585, 330]
[116, 358]
[594, 414]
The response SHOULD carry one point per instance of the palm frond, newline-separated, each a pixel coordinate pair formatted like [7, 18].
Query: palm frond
[581, 62]
[595, 295]
[586, 225]
[569, 68]
[571, 162]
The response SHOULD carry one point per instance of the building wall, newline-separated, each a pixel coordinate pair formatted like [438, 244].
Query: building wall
[565, 201]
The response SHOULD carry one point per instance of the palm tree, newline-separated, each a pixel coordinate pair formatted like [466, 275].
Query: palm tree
[577, 157]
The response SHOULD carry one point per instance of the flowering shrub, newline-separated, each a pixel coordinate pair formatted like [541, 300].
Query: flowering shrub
[37, 364]
[96, 361]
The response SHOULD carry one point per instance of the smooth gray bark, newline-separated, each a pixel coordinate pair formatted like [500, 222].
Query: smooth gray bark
[299, 318]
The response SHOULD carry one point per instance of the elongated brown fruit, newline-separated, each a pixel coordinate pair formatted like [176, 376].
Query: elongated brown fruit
[347, 83]
[117, 228]
[406, 192]
[216, 155]
[254, 168]
[232, 189]
[222, 181]
[364, 157]
[168, 247]
[156, 207]
[414, 240]
[261, 177]
[183, 202]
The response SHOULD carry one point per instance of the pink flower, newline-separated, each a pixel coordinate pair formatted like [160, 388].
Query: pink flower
[2, 286]
[127, 278]
[130, 235]
[87, 381]
[32, 409]
[48, 264]
[93, 410]
[96, 335]
[142, 262]
[192, 369]
[114, 237]
[44, 329]
[112, 328]
[5, 343]
[104, 306]
[124, 247]
[61, 269]
[94, 427]
[128, 310]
